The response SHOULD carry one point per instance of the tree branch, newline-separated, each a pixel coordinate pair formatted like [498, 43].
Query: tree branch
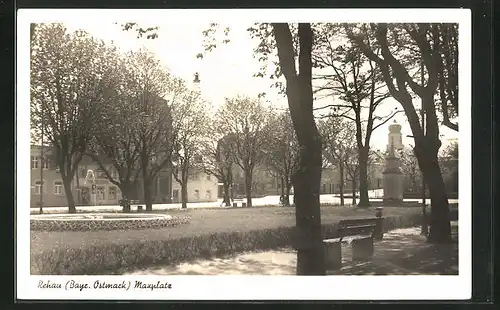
[389, 117]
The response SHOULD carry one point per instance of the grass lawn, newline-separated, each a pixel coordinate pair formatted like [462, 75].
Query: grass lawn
[204, 221]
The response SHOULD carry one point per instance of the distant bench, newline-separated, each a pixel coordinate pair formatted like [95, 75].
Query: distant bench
[239, 200]
[135, 202]
[361, 234]
[131, 203]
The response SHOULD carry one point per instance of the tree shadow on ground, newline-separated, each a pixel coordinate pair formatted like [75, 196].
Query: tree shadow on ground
[405, 252]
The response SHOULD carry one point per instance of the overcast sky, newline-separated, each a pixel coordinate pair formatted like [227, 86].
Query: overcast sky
[226, 71]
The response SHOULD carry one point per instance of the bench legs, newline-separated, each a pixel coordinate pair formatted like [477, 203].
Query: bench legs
[362, 249]
[333, 255]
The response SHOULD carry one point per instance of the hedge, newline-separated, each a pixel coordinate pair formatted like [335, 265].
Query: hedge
[119, 258]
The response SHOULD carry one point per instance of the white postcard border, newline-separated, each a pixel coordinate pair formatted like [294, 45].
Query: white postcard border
[249, 287]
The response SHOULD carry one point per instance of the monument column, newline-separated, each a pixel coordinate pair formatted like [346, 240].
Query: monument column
[393, 175]
[393, 180]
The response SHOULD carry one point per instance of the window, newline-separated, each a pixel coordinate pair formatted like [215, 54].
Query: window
[45, 163]
[34, 162]
[208, 194]
[208, 177]
[196, 194]
[100, 193]
[38, 187]
[112, 193]
[58, 187]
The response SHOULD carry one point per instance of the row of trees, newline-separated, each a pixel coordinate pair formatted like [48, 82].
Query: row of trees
[413, 61]
[134, 119]
[123, 110]
[252, 135]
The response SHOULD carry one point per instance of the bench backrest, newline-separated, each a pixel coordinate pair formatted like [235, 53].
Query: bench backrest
[357, 222]
[352, 227]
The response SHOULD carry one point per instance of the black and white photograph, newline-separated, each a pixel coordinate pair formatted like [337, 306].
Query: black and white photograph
[242, 154]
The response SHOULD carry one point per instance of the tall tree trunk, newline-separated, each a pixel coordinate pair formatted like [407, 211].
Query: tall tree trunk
[286, 197]
[353, 182]
[440, 230]
[146, 191]
[69, 194]
[364, 200]
[169, 181]
[126, 189]
[78, 189]
[427, 156]
[226, 195]
[341, 177]
[184, 187]
[282, 191]
[413, 179]
[248, 187]
[184, 195]
[310, 259]
[307, 179]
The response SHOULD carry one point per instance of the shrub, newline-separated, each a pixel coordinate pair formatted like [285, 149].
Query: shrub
[93, 225]
[118, 258]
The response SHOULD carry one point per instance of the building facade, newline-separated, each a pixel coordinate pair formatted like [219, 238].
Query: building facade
[265, 183]
[330, 179]
[201, 187]
[164, 189]
[54, 194]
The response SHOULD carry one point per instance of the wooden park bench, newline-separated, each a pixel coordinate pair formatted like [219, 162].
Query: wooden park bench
[131, 203]
[239, 200]
[361, 234]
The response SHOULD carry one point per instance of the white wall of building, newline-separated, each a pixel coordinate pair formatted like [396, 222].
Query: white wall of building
[201, 188]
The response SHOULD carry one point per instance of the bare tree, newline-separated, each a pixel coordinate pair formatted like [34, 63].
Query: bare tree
[155, 91]
[190, 123]
[355, 83]
[115, 139]
[245, 119]
[424, 43]
[69, 84]
[282, 152]
[339, 143]
[218, 158]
